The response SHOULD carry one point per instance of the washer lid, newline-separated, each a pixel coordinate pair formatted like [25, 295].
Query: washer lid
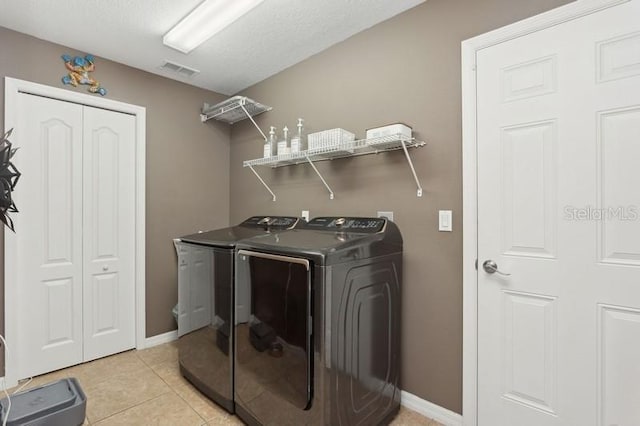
[253, 226]
[331, 241]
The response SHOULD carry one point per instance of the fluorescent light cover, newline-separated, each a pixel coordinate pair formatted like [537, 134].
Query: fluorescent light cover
[206, 20]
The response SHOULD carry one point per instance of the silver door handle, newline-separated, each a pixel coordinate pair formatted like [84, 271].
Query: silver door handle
[491, 267]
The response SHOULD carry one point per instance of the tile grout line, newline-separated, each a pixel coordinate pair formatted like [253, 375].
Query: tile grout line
[179, 396]
[185, 401]
[133, 406]
[190, 386]
[170, 389]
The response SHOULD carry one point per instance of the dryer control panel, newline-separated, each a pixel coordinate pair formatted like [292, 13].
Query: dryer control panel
[347, 224]
[281, 222]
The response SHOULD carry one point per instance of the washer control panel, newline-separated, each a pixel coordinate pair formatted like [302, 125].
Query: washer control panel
[347, 224]
[281, 222]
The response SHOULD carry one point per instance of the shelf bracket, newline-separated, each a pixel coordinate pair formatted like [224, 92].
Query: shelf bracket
[320, 176]
[273, 196]
[259, 129]
[413, 170]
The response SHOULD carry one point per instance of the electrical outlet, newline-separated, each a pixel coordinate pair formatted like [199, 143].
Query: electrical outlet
[305, 215]
[386, 215]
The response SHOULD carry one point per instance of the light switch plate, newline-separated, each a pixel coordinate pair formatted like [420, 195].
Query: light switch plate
[445, 218]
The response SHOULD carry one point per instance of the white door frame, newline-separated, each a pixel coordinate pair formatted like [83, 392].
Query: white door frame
[12, 88]
[470, 185]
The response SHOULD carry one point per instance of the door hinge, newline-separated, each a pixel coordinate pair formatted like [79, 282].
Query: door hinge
[476, 264]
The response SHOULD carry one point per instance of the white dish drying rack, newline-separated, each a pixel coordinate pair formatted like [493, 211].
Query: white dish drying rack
[235, 109]
[342, 150]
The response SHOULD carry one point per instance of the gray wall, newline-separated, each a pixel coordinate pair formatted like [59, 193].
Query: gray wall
[187, 162]
[406, 70]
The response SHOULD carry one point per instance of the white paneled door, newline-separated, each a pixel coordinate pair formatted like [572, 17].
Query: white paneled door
[108, 232]
[50, 237]
[559, 210]
[75, 244]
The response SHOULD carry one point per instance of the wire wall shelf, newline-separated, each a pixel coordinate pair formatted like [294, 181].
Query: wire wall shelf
[233, 110]
[343, 150]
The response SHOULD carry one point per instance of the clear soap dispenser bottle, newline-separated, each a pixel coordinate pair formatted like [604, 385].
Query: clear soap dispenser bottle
[269, 146]
[297, 141]
[283, 145]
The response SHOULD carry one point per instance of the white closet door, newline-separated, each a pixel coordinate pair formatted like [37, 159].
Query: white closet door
[109, 232]
[49, 235]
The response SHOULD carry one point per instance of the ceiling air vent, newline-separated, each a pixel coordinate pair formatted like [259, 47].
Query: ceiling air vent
[181, 70]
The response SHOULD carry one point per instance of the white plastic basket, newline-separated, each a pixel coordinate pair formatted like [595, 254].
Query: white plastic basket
[329, 138]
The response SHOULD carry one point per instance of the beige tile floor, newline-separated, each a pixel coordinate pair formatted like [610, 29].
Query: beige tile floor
[146, 388]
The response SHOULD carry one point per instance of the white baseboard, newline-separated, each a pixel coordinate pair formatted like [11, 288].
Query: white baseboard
[159, 339]
[429, 409]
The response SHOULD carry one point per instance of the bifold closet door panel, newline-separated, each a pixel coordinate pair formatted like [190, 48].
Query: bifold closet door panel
[109, 232]
[49, 235]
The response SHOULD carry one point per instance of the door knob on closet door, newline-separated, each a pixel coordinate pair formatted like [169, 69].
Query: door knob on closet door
[491, 267]
[105, 268]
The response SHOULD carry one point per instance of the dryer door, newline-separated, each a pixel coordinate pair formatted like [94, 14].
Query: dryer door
[273, 329]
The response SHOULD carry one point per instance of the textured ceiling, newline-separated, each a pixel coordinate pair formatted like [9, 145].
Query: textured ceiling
[270, 38]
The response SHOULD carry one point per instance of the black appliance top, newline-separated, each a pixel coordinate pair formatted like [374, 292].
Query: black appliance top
[255, 225]
[330, 240]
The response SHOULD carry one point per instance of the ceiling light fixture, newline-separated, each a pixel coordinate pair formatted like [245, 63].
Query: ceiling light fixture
[206, 20]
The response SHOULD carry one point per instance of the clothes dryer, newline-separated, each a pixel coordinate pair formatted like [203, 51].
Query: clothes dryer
[205, 303]
[318, 324]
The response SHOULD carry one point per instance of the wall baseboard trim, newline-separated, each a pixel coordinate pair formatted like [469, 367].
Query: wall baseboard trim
[159, 339]
[429, 409]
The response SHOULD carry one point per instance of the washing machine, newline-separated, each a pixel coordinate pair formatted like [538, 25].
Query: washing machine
[318, 324]
[205, 303]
